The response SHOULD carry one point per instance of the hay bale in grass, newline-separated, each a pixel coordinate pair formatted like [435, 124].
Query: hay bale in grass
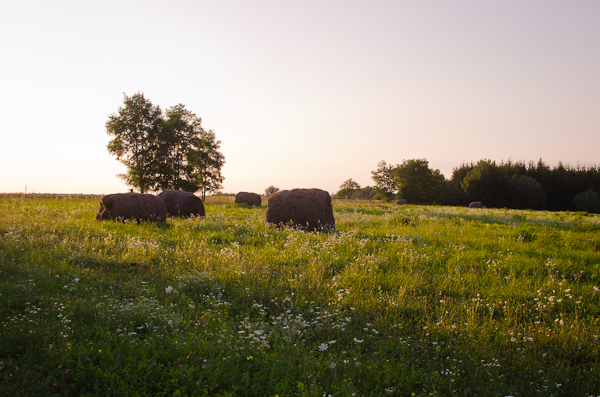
[138, 206]
[476, 204]
[308, 208]
[402, 202]
[180, 203]
[247, 198]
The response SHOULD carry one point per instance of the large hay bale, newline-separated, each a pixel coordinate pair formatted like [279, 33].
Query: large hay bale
[309, 208]
[138, 206]
[180, 203]
[476, 204]
[402, 202]
[247, 198]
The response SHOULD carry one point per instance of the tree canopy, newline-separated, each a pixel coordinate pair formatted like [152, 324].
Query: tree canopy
[535, 185]
[486, 182]
[164, 151]
[270, 190]
[385, 181]
[348, 188]
[135, 129]
[419, 184]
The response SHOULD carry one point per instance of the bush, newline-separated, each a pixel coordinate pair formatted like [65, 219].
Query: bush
[587, 201]
[525, 193]
[486, 182]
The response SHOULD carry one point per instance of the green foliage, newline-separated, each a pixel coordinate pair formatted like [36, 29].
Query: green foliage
[136, 130]
[419, 184]
[459, 173]
[588, 201]
[270, 190]
[385, 181]
[507, 184]
[164, 152]
[486, 182]
[348, 188]
[366, 193]
[453, 195]
[205, 163]
[399, 300]
[525, 193]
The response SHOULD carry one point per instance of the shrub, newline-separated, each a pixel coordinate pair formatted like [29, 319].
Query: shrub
[587, 201]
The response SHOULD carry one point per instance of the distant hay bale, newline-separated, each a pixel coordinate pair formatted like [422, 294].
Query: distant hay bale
[402, 202]
[476, 204]
[138, 206]
[308, 208]
[247, 198]
[180, 203]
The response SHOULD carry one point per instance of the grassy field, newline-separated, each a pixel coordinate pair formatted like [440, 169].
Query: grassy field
[398, 301]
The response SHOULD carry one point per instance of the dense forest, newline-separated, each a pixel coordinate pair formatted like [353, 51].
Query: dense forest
[511, 184]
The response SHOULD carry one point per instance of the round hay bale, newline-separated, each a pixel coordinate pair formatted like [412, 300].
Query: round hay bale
[138, 206]
[402, 202]
[180, 203]
[247, 198]
[308, 208]
[476, 204]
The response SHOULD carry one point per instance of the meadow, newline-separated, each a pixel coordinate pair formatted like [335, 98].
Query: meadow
[397, 301]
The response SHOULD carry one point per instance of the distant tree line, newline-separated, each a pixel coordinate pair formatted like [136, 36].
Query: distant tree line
[511, 184]
[527, 186]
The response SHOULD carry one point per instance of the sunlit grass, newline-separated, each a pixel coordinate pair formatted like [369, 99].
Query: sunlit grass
[399, 300]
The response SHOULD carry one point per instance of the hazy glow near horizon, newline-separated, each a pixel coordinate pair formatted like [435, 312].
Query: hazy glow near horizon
[301, 94]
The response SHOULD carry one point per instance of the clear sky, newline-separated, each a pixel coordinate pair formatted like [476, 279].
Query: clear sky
[300, 93]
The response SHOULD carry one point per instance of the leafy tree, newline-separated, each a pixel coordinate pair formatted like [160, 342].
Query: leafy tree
[486, 182]
[170, 151]
[348, 188]
[504, 185]
[525, 193]
[270, 190]
[419, 184]
[205, 163]
[385, 181]
[178, 139]
[459, 173]
[135, 129]
[587, 201]
[366, 193]
[511, 167]
[453, 195]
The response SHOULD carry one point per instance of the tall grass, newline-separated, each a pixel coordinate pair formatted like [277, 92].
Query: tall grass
[398, 301]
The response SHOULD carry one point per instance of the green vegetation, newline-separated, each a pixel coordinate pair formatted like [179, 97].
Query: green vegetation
[515, 184]
[270, 190]
[170, 151]
[418, 183]
[398, 301]
[511, 184]
[348, 188]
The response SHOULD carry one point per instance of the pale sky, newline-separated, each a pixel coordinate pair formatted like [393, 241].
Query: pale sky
[300, 93]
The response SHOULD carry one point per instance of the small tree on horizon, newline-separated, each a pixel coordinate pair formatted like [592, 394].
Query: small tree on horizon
[270, 190]
[385, 181]
[348, 188]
